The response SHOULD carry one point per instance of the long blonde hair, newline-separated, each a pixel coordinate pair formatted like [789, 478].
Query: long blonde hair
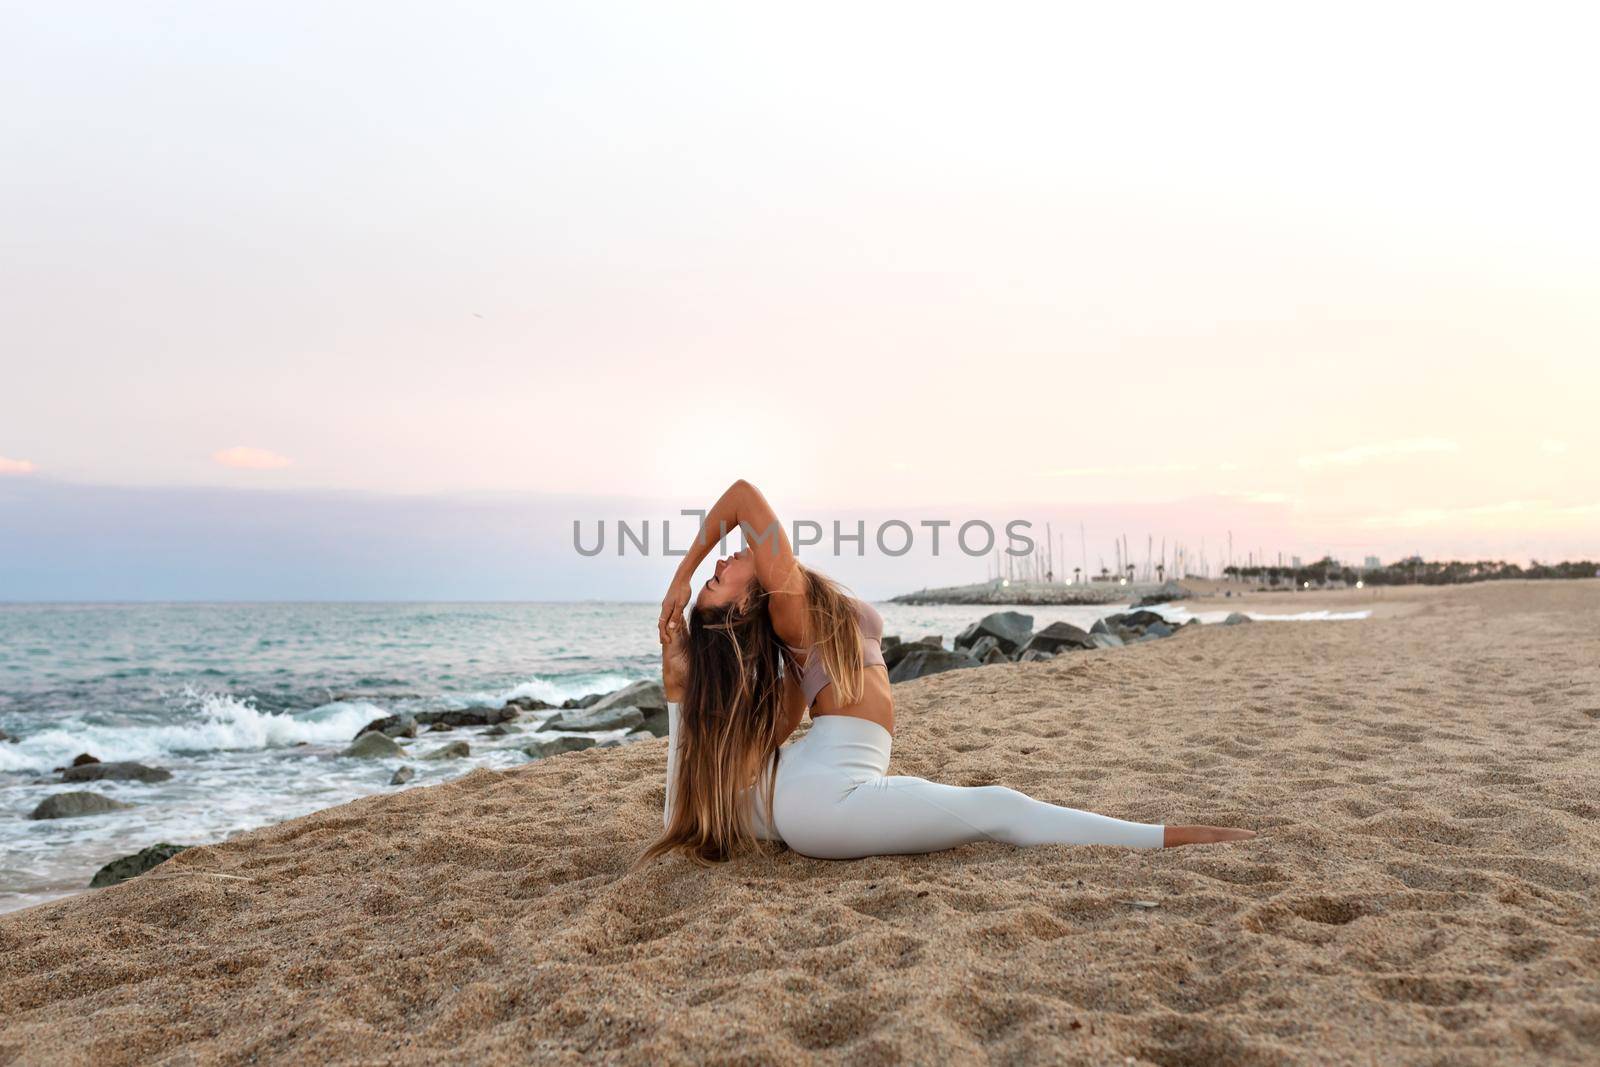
[728, 730]
[729, 721]
[835, 635]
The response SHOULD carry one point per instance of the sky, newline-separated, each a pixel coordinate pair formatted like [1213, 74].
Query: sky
[1325, 280]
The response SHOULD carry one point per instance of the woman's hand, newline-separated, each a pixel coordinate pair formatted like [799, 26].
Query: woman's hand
[675, 659]
[672, 606]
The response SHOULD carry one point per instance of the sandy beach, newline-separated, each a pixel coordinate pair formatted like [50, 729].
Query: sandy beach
[1426, 784]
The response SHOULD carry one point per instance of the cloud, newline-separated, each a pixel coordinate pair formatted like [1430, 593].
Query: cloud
[16, 466]
[1350, 457]
[242, 457]
[1263, 496]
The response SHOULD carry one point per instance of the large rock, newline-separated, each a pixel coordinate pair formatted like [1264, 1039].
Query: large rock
[924, 661]
[889, 641]
[557, 745]
[1009, 629]
[1139, 618]
[402, 776]
[1105, 640]
[469, 716]
[1235, 618]
[83, 759]
[71, 805]
[582, 702]
[392, 726]
[502, 729]
[1158, 629]
[1058, 636]
[120, 870]
[893, 654]
[454, 750]
[116, 771]
[598, 718]
[995, 656]
[1168, 590]
[373, 745]
[528, 704]
[647, 695]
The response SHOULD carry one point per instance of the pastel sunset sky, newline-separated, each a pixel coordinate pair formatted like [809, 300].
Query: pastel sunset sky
[277, 275]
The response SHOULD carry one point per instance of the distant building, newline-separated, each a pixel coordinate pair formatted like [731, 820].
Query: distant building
[1373, 563]
[1294, 561]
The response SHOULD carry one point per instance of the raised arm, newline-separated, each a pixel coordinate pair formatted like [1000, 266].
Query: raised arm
[742, 507]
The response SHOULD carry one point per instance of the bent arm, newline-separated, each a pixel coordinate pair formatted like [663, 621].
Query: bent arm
[742, 507]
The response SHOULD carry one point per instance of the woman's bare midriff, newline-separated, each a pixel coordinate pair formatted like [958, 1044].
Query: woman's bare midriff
[876, 703]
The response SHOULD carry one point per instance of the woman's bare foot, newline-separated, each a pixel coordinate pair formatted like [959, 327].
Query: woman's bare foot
[1203, 835]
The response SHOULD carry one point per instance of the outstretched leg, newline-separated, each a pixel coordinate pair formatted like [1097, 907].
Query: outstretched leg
[899, 814]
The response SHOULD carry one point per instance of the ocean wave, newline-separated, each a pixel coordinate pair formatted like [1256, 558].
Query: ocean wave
[211, 722]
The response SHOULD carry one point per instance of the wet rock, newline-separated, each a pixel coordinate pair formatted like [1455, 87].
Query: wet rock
[402, 776]
[597, 718]
[1010, 630]
[557, 745]
[440, 728]
[392, 726]
[374, 745]
[582, 702]
[115, 771]
[1057, 637]
[923, 661]
[891, 641]
[502, 729]
[71, 805]
[528, 704]
[469, 716]
[83, 759]
[7, 737]
[120, 870]
[1235, 618]
[647, 695]
[454, 750]
[1136, 618]
[1159, 629]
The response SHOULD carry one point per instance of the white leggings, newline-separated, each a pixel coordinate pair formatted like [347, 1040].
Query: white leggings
[832, 800]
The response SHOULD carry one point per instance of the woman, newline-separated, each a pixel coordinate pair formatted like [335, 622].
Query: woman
[769, 639]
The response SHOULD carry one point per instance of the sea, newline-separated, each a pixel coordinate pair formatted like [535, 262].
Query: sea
[249, 705]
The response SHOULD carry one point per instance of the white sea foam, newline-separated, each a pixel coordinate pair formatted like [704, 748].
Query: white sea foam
[554, 692]
[213, 722]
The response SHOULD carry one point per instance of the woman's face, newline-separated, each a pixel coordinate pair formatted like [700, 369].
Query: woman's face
[731, 580]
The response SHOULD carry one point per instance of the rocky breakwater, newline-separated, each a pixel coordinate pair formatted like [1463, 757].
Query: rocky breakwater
[1009, 637]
